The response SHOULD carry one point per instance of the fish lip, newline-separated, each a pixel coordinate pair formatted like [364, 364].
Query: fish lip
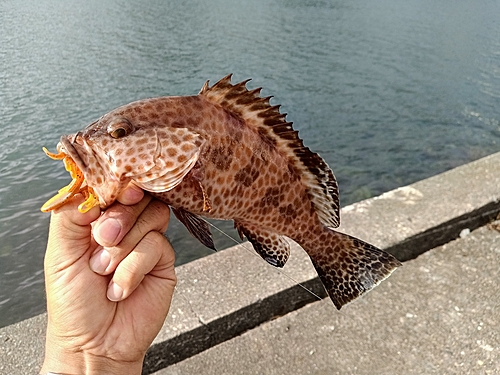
[76, 147]
[68, 143]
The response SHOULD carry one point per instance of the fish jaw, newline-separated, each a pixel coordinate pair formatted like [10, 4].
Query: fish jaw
[104, 184]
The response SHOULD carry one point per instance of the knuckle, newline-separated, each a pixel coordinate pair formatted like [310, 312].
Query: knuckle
[156, 243]
[158, 215]
[127, 213]
[160, 208]
[154, 240]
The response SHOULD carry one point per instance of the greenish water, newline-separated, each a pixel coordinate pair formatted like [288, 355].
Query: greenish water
[388, 92]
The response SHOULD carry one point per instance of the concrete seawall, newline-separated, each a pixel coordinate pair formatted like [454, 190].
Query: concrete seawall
[233, 291]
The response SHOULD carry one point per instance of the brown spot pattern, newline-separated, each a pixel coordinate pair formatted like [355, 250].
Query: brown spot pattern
[222, 157]
[247, 175]
[253, 168]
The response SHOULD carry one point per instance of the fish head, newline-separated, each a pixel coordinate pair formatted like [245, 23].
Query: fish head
[106, 153]
[116, 150]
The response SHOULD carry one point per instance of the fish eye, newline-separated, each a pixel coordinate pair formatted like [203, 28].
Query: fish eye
[118, 133]
[119, 128]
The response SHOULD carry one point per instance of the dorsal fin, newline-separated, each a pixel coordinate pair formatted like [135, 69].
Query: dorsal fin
[257, 111]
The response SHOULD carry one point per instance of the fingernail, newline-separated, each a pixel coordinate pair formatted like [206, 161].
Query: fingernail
[115, 292]
[107, 232]
[100, 261]
[133, 194]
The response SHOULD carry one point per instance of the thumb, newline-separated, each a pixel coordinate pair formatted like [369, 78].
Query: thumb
[69, 232]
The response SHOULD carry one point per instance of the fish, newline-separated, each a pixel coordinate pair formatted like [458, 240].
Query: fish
[226, 153]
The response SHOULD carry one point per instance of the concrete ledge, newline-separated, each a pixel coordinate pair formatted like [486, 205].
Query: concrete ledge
[22, 346]
[437, 315]
[413, 219]
[230, 292]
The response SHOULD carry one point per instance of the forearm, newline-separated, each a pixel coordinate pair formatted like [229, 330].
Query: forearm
[72, 362]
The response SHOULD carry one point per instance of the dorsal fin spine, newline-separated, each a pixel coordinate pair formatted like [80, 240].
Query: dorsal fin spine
[205, 87]
[255, 92]
[272, 126]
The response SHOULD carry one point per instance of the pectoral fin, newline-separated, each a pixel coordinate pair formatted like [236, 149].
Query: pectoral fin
[272, 247]
[177, 151]
[169, 180]
[196, 226]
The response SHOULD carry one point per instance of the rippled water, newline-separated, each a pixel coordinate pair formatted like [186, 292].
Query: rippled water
[388, 92]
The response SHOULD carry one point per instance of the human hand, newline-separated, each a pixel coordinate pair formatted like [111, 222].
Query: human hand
[109, 282]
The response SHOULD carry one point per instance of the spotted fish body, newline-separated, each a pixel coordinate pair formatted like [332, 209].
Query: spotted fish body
[228, 154]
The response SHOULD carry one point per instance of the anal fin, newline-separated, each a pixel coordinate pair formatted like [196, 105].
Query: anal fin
[272, 247]
[198, 227]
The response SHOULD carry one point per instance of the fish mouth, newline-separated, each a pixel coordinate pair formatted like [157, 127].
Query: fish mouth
[67, 146]
[75, 164]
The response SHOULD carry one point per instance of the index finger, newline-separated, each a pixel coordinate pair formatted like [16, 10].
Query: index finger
[69, 232]
[131, 195]
[117, 221]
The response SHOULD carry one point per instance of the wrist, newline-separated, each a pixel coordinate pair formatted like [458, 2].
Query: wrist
[66, 361]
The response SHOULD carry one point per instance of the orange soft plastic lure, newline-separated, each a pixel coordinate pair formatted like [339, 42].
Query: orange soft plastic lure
[77, 185]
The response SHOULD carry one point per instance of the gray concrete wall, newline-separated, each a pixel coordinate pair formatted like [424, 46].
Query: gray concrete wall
[232, 291]
[437, 315]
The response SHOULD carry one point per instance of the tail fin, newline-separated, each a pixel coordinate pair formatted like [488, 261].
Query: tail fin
[349, 267]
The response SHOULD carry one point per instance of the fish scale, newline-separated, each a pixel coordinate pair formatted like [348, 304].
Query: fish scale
[227, 153]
